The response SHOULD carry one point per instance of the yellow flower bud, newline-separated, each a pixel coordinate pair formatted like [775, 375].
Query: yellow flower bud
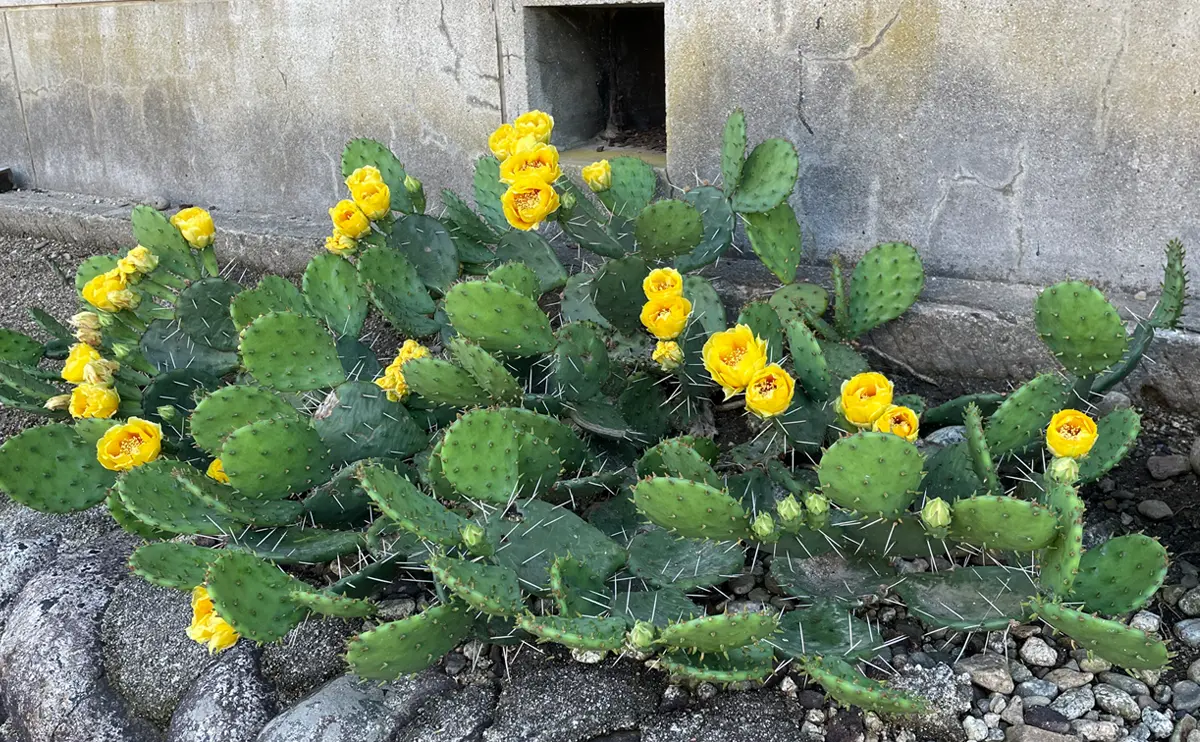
[540, 160]
[374, 199]
[816, 504]
[642, 635]
[100, 372]
[126, 446]
[598, 176]
[363, 175]
[207, 627]
[1071, 434]
[340, 244]
[1064, 470]
[216, 471]
[790, 510]
[661, 283]
[93, 401]
[733, 357]
[349, 220]
[475, 539]
[412, 185]
[196, 226]
[124, 299]
[536, 124]
[665, 318]
[99, 292]
[90, 337]
[85, 320]
[763, 527]
[528, 201]
[502, 141]
[770, 392]
[668, 355]
[864, 398]
[936, 514]
[900, 421]
[60, 402]
[137, 262]
[78, 358]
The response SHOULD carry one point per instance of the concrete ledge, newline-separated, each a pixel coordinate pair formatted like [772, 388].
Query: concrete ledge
[978, 329]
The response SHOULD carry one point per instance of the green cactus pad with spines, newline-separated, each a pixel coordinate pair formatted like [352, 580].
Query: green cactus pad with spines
[733, 150]
[763, 320]
[594, 634]
[52, 470]
[166, 347]
[617, 293]
[489, 374]
[479, 456]
[272, 294]
[231, 407]
[1124, 646]
[768, 177]
[951, 413]
[518, 277]
[658, 607]
[950, 475]
[1003, 523]
[708, 311]
[969, 599]
[129, 522]
[358, 360]
[328, 604]
[716, 216]
[461, 218]
[1169, 309]
[576, 590]
[668, 229]
[335, 294]
[651, 461]
[362, 152]
[578, 304]
[499, 319]
[488, 190]
[824, 629]
[1116, 434]
[850, 687]
[155, 232]
[441, 382]
[1121, 575]
[775, 238]
[291, 353]
[530, 545]
[721, 632]
[398, 648]
[798, 301]
[590, 231]
[427, 245]
[1059, 562]
[808, 361]
[538, 465]
[271, 459]
[204, 313]
[300, 544]
[155, 494]
[582, 491]
[633, 186]
[258, 513]
[1080, 327]
[844, 362]
[581, 364]
[252, 595]
[490, 589]
[981, 457]
[26, 382]
[691, 509]
[174, 565]
[413, 510]
[178, 389]
[832, 576]
[19, 349]
[371, 580]
[676, 457]
[738, 665]
[533, 251]
[664, 560]
[340, 503]
[904, 537]
[885, 283]
[397, 291]
[561, 437]
[1023, 417]
[873, 473]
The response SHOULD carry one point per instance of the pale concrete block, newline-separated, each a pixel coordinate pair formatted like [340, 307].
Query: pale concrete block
[14, 144]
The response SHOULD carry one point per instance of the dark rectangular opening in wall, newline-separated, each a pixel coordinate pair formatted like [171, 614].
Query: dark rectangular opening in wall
[600, 70]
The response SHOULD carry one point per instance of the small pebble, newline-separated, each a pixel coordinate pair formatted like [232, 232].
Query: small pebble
[1037, 652]
[1155, 509]
[1096, 731]
[1132, 686]
[1189, 603]
[1166, 467]
[1146, 621]
[975, 728]
[1116, 701]
[1157, 722]
[1185, 696]
[1067, 679]
[1037, 687]
[1188, 632]
[1074, 703]
[1044, 717]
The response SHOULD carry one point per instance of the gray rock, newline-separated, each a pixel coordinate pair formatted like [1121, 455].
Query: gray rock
[1044, 717]
[1183, 728]
[1116, 701]
[1188, 631]
[548, 700]
[1155, 509]
[1189, 603]
[459, 717]
[1066, 679]
[1031, 701]
[1094, 664]
[1026, 733]
[1095, 731]
[947, 436]
[1166, 467]
[1194, 456]
[946, 699]
[345, 709]
[51, 671]
[73, 531]
[1020, 673]
[1146, 621]
[1074, 703]
[1112, 401]
[1132, 686]
[751, 716]
[1036, 687]
[230, 702]
[988, 671]
[19, 561]
[1035, 651]
[975, 729]
[1185, 696]
[309, 656]
[1014, 713]
[148, 656]
[406, 695]
[1193, 671]
[1159, 724]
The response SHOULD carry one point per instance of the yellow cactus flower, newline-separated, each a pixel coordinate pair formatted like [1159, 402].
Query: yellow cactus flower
[392, 380]
[661, 283]
[898, 420]
[126, 446]
[770, 392]
[665, 318]
[1071, 434]
[374, 199]
[58, 402]
[668, 355]
[864, 398]
[349, 220]
[410, 350]
[536, 124]
[501, 141]
[598, 176]
[528, 201]
[540, 160]
[78, 358]
[363, 175]
[93, 401]
[124, 299]
[340, 244]
[100, 372]
[216, 470]
[196, 226]
[137, 262]
[101, 291]
[733, 357]
[207, 627]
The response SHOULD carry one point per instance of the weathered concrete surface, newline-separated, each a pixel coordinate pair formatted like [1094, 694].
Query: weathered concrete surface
[14, 144]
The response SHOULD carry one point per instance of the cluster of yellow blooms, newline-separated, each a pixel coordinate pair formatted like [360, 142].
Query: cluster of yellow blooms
[665, 314]
[93, 377]
[207, 627]
[529, 166]
[392, 380]
[737, 360]
[370, 201]
[866, 403]
[110, 292]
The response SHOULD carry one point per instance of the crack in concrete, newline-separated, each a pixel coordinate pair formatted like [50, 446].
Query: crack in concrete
[863, 51]
[456, 70]
[1104, 106]
[500, 60]
[12, 60]
[800, 93]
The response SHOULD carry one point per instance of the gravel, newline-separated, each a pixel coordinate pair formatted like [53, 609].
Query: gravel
[1037, 652]
[1075, 702]
[1116, 701]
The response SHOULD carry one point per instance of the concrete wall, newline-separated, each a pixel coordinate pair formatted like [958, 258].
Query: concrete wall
[1012, 141]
